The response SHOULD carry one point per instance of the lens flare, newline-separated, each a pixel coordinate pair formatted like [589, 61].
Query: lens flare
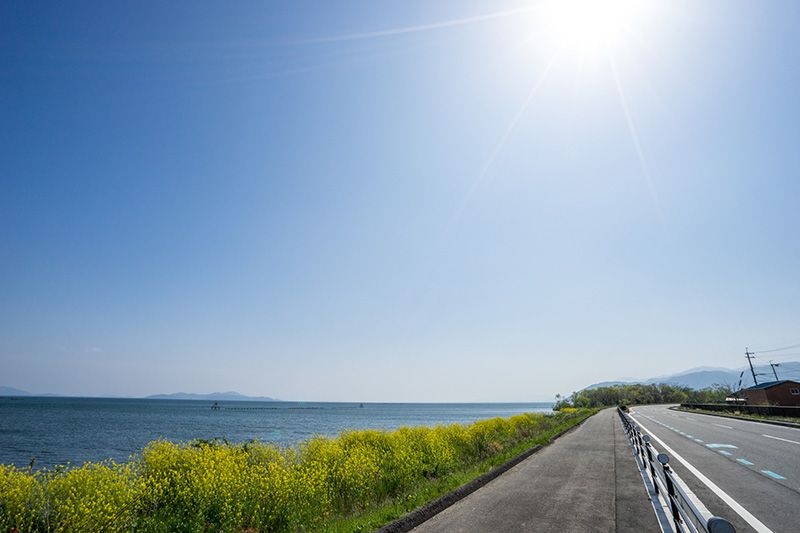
[588, 28]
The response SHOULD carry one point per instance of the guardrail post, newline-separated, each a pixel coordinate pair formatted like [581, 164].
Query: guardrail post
[639, 434]
[676, 515]
[640, 442]
[650, 462]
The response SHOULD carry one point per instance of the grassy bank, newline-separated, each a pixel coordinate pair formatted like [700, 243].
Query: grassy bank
[353, 482]
[743, 416]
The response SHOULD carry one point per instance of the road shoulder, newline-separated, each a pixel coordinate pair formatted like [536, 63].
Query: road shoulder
[579, 483]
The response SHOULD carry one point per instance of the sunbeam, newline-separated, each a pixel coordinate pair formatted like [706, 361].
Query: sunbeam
[499, 145]
[420, 27]
[635, 138]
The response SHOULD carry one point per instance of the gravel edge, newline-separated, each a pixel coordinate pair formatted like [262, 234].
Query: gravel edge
[418, 516]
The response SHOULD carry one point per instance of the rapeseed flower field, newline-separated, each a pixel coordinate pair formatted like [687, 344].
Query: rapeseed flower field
[256, 486]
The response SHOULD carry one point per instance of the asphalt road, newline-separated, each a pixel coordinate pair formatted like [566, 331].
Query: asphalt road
[755, 466]
[586, 481]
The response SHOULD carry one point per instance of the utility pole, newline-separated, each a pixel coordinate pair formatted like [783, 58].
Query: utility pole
[773, 365]
[750, 355]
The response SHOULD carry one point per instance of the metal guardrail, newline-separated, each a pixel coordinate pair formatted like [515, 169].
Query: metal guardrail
[688, 513]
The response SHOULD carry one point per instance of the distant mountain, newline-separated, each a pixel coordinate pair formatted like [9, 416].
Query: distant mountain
[214, 396]
[702, 377]
[703, 369]
[11, 391]
[609, 384]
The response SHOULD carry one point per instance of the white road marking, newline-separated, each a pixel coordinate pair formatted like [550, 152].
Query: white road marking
[754, 522]
[779, 438]
[723, 426]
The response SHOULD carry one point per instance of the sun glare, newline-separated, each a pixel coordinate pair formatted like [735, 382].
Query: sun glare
[590, 27]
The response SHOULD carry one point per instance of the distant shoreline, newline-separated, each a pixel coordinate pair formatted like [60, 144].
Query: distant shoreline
[158, 397]
[256, 400]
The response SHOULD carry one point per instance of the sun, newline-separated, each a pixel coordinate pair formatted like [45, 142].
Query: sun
[589, 28]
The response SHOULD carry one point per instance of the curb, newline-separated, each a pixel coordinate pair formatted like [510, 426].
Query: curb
[771, 422]
[418, 516]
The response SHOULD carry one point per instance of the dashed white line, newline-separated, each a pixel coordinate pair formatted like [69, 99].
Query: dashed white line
[754, 522]
[723, 426]
[772, 474]
[779, 438]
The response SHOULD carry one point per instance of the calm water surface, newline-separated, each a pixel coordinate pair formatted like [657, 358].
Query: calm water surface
[75, 430]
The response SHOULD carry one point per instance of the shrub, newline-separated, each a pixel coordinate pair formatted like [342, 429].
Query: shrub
[213, 486]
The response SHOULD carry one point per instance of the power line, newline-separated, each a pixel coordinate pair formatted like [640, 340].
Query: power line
[792, 354]
[778, 349]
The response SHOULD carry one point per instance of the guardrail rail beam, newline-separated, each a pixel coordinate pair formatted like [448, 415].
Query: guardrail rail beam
[688, 514]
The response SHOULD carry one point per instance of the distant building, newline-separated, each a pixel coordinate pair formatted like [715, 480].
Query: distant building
[783, 392]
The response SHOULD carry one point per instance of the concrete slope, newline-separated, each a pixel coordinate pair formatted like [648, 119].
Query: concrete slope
[758, 465]
[586, 481]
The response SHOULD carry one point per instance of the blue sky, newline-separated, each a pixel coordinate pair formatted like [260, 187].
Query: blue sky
[392, 201]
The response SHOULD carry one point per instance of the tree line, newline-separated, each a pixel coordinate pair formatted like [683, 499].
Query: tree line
[639, 394]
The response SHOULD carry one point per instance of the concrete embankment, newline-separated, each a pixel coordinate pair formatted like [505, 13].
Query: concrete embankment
[586, 481]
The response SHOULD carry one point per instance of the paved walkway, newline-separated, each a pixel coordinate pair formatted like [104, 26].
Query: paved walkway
[586, 481]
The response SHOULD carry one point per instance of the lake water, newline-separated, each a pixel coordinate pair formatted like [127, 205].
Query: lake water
[74, 430]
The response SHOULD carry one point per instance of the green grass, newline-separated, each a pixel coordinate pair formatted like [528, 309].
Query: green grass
[743, 416]
[354, 482]
[430, 490]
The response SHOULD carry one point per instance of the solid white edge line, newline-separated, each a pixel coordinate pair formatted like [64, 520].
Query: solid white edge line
[754, 522]
[779, 438]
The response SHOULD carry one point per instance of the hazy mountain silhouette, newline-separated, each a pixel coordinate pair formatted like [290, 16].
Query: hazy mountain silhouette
[702, 377]
[217, 396]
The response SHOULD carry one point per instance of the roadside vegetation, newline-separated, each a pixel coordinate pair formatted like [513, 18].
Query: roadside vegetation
[637, 394]
[354, 482]
[735, 413]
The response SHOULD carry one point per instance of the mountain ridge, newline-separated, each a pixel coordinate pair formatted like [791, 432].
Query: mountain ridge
[225, 396]
[11, 391]
[218, 396]
[704, 376]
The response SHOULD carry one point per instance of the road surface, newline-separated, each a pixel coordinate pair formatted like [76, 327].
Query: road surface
[587, 480]
[755, 466]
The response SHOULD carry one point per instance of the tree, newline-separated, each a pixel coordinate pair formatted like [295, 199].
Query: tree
[640, 394]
